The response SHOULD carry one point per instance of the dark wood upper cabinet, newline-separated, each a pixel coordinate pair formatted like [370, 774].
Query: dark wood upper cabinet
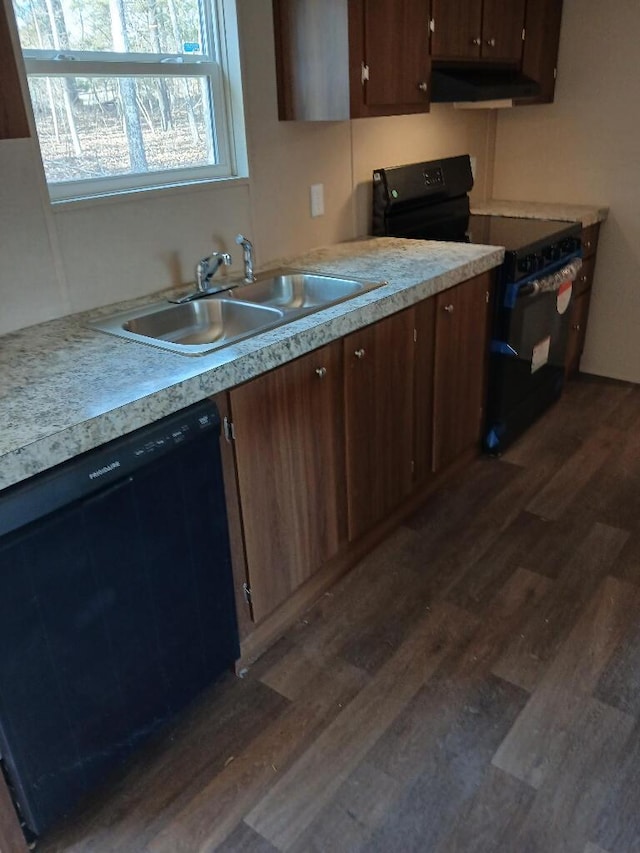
[341, 59]
[389, 43]
[13, 116]
[457, 29]
[540, 56]
[487, 30]
[502, 29]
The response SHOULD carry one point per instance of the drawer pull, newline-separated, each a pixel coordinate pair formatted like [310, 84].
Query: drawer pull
[321, 372]
[424, 87]
[360, 353]
[448, 309]
[576, 327]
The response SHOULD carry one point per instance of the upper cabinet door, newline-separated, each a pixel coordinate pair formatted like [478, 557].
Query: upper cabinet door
[457, 29]
[13, 117]
[540, 57]
[490, 30]
[502, 26]
[312, 59]
[395, 55]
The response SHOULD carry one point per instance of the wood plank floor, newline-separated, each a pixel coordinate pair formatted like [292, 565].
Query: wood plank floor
[473, 685]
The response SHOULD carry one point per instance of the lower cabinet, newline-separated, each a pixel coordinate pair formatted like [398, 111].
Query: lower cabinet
[378, 418]
[579, 310]
[329, 445]
[577, 332]
[289, 448]
[459, 385]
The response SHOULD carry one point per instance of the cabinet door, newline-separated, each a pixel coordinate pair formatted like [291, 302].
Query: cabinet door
[502, 26]
[379, 418]
[13, 117]
[389, 39]
[457, 29]
[589, 239]
[577, 332]
[290, 464]
[540, 55]
[461, 353]
[312, 59]
[425, 316]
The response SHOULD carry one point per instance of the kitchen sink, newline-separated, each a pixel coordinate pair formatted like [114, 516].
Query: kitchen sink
[302, 290]
[204, 324]
[193, 327]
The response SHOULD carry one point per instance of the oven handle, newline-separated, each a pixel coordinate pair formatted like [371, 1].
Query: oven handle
[512, 289]
[551, 283]
[530, 289]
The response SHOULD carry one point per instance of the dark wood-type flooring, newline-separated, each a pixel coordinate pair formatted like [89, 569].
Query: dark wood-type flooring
[473, 685]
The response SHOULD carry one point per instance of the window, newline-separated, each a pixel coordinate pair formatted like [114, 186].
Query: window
[129, 93]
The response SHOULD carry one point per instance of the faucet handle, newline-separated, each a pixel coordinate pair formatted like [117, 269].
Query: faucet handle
[241, 240]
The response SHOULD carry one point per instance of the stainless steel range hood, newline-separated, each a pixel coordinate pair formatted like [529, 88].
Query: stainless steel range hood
[480, 84]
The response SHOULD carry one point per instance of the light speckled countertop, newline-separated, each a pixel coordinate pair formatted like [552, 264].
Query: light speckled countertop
[65, 388]
[585, 214]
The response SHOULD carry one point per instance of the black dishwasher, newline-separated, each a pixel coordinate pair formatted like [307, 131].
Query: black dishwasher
[116, 606]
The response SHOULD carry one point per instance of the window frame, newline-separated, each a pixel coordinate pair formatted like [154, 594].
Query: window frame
[227, 126]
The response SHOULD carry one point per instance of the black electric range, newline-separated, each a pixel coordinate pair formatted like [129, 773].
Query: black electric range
[429, 201]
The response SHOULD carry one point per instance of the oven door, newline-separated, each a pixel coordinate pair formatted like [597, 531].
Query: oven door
[526, 372]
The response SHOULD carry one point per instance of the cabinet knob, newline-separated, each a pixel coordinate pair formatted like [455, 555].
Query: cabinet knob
[476, 42]
[360, 353]
[587, 244]
[321, 372]
[448, 309]
[424, 86]
[491, 42]
[576, 327]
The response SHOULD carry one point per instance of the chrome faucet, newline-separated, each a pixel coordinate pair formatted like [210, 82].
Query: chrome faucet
[208, 267]
[247, 257]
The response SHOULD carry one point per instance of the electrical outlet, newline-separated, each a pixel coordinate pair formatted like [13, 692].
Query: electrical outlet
[316, 193]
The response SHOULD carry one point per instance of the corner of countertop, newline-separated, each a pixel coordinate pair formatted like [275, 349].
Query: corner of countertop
[585, 214]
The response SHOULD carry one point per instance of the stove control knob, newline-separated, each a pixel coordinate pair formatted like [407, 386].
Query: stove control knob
[528, 264]
[569, 245]
[551, 253]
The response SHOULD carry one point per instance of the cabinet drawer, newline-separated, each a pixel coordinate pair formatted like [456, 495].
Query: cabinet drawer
[585, 277]
[590, 239]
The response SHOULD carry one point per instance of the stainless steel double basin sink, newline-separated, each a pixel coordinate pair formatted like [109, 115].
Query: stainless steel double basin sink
[208, 323]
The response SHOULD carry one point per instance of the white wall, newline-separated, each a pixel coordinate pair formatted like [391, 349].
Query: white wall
[80, 257]
[585, 148]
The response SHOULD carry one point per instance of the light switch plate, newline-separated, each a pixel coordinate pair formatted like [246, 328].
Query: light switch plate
[316, 193]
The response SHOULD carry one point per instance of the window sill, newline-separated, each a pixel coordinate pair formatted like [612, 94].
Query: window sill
[148, 193]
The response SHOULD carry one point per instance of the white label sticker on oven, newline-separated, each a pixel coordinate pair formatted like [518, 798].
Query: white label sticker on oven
[540, 354]
[564, 296]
